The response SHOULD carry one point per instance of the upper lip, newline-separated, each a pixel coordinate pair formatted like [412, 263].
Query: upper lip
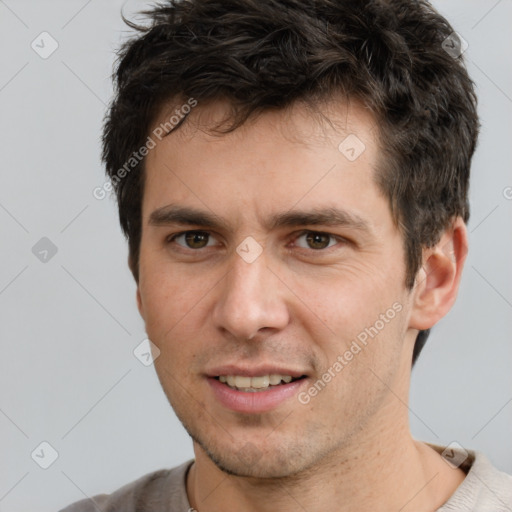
[253, 371]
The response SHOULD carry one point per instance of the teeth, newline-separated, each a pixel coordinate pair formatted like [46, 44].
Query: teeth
[242, 382]
[274, 379]
[259, 382]
[254, 383]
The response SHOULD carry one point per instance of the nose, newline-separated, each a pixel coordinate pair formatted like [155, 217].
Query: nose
[251, 300]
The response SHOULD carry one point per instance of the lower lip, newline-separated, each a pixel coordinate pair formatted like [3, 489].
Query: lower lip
[257, 401]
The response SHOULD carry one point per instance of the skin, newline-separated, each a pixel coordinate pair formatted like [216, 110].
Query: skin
[350, 446]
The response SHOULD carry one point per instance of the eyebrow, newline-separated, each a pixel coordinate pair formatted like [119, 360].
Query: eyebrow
[334, 217]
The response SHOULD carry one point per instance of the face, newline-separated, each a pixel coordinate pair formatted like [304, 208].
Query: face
[269, 253]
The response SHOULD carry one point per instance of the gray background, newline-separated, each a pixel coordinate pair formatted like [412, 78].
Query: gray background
[69, 325]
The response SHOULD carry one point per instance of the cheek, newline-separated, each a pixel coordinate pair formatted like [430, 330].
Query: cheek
[345, 299]
[357, 317]
[162, 299]
[169, 310]
[362, 360]
[174, 299]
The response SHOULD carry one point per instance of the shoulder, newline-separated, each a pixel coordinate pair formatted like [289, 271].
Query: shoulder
[492, 487]
[485, 488]
[153, 492]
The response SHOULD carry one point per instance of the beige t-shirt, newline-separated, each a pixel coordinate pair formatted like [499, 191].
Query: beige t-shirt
[485, 489]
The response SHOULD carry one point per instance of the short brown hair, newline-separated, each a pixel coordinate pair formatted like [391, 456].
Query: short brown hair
[264, 54]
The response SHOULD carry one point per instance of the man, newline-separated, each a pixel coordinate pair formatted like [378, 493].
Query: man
[292, 178]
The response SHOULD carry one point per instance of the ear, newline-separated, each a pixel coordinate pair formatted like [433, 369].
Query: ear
[437, 282]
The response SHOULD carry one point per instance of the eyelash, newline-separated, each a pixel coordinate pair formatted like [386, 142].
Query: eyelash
[171, 239]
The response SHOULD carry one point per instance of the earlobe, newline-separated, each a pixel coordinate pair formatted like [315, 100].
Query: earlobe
[437, 282]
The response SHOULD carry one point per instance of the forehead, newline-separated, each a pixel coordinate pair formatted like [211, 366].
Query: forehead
[281, 157]
[302, 123]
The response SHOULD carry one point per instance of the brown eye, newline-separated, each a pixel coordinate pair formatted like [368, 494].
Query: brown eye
[318, 240]
[192, 239]
[315, 240]
[196, 239]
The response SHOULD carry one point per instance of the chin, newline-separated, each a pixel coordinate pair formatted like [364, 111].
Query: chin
[253, 450]
[257, 459]
[239, 464]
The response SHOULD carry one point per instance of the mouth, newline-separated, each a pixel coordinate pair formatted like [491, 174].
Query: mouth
[256, 384]
[255, 391]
